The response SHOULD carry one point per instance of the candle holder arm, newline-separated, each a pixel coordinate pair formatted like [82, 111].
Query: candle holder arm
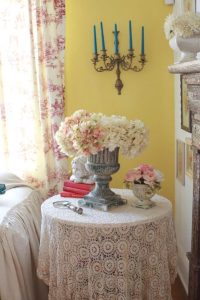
[103, 62]
[142, 62]
[126, 63]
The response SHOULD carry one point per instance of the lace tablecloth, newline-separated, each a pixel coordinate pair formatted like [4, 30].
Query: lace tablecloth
[125, 254]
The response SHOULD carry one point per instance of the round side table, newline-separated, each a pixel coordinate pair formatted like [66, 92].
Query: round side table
[125, 253]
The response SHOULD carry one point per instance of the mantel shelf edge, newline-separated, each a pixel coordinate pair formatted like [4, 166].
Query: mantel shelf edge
[185, 68]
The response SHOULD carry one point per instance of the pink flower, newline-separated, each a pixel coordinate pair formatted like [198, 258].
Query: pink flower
[144, 174]
[149, 177]
[145, 168]
[97, 133]
[133, 175]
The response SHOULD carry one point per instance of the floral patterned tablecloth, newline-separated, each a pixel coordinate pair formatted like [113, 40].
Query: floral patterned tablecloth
[127, 253]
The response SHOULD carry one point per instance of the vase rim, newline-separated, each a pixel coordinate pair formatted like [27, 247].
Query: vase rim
[188, 37]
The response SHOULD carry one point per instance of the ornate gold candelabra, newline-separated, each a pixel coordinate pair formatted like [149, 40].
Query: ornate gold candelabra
[103, 62]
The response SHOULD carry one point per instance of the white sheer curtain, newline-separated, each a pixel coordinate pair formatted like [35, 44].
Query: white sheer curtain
[32, 46]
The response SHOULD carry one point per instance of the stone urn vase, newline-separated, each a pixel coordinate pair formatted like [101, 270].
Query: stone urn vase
[103, 165]
[143, 193]
[173, 44]
[189, 47]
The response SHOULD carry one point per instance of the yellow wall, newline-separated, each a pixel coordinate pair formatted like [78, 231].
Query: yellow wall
[147, 95]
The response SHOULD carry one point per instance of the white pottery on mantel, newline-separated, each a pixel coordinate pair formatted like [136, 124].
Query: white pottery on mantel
[173, 44]
[189, 47]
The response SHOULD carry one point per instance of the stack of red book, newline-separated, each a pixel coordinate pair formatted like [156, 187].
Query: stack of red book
[75, 190]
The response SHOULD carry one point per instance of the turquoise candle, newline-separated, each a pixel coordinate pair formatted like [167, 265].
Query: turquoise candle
[95, 39]
[116, 40]
[102, 37]
[142, 41]
[130, 36]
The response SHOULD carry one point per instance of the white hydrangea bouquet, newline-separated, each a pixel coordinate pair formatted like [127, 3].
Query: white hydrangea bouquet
[185, 25]
[86, 133]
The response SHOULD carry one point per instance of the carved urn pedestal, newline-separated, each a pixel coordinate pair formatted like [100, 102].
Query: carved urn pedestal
[103, 165]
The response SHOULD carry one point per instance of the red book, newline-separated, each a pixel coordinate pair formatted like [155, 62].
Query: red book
[70, 195]
[82, 186]
[76, 191]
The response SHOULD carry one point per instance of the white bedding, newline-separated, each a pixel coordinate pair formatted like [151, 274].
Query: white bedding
[12, 198]
[20, 220]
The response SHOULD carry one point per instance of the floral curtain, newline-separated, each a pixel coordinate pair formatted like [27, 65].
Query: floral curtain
[32, 90]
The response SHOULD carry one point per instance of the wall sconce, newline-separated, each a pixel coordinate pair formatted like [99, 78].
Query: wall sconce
[102, 62]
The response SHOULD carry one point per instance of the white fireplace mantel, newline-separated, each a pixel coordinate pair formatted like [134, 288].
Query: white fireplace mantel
[185, 68]
[191, 72]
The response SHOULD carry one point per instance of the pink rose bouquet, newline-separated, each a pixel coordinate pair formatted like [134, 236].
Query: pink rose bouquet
[144, 174]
